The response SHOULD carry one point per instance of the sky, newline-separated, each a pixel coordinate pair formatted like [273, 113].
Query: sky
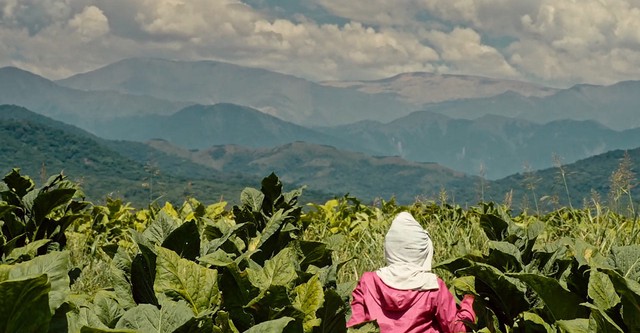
[552, 42]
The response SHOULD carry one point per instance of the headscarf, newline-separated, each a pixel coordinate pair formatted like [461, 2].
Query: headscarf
[408, 251]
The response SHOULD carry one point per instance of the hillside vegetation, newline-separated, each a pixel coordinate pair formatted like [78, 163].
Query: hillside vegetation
[131, 171]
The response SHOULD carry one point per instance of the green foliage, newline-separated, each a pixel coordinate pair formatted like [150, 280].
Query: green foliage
[264, 265]
[33, 215]
[25, 305]
[565, 285]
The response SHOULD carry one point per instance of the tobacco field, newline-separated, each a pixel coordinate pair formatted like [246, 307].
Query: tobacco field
[272, 264]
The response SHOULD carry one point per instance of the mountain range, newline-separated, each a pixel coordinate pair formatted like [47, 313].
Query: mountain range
[478, 126]
[208, 82]
[422, 88]
[158, 170]
[491, 146]
[40, 146]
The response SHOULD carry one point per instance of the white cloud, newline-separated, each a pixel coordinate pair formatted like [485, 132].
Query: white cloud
[464, 51]
[555, 41]
[90, 24]
[375, 12]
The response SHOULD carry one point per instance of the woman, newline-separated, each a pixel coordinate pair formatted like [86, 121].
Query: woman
[405, 296]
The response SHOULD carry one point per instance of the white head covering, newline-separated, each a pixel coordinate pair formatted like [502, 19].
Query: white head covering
[408, 251]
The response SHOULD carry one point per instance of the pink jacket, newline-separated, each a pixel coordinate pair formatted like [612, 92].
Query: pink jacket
[408, 311]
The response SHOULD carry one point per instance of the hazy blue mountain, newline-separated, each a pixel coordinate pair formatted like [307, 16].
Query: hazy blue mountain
[41, 147]
[616, 106]
[208, 82]
[201, 126]
[420, 88]
[86, 109]
[494, 145]
[333, 170]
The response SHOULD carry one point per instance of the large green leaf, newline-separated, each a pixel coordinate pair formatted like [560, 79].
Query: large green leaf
[560, 303]
[148, 318]
[185, 240]
[602, 291]
[270, 303]
[121, 286]
[465, 285]
[87, 329]
[180, 278]
[332, 314]
[600, 322]
[143, 275]
[531, 322]
[506, 295]
[80, 315]
[198, 325]
[218, 258]
[279, 271]
[274, 223]
[17, 183]
[494, 226]
[107, 308]
[46, 202]
[4, 208]
[26, 252]
[314, 253]
[161, 227]
[236, 284]
[24, 305]
[252, 199]
[574, 325]
[366, 327]
[308, 299]
[219, 237]
[504, 256]
[629, 292]
[454, 265]
[627, 260]
[271, 326]
[56, 266]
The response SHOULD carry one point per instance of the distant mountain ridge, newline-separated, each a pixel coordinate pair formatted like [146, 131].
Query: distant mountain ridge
[335, 171]
[85, 109]
[420, 88]
[33, 142]
[616, 106]
[40, 147]
[495, 146]
[202, 126]
[39, 144]
[209, 82]
[493, 136]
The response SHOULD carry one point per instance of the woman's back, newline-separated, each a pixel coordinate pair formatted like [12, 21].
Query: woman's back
[405, 296]
[408, 311]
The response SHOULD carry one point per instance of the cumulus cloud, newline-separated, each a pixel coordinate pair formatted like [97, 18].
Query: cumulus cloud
[90, 24]
[553, 41]
[374, 12]
[463, 50]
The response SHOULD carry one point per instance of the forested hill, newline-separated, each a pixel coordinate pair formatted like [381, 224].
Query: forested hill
[41, 147]
[584, 182]
[140, 172]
